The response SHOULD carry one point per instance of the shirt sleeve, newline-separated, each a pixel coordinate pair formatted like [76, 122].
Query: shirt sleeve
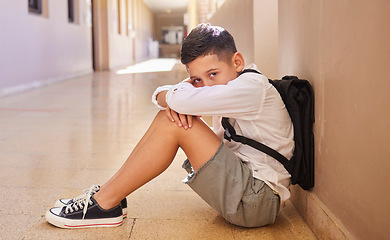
[156, 92]
[239, 98]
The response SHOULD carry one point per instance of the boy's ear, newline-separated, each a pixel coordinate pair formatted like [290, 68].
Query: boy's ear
[238, 61]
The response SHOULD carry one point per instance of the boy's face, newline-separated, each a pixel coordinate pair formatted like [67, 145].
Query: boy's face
[208, 70]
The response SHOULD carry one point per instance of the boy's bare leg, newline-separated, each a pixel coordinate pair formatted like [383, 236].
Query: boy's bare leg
[154, 153]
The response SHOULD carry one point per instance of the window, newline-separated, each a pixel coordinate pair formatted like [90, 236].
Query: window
[71, 11]
[35, 6]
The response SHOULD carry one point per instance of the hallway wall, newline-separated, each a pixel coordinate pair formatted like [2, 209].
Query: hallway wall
[36, 50]
[130, 31]
[342, 48]
[39, 49]
[254, 28]
[237, 18]
[143, 29]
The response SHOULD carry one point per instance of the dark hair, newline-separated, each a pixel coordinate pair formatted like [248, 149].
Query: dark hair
[206, 39]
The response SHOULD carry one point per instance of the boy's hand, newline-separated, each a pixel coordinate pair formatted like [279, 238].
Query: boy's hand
[181, 120]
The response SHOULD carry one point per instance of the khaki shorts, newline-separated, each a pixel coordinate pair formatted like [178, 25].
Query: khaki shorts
[227, 185]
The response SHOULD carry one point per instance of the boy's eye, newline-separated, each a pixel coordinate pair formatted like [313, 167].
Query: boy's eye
[213, 74]
[196, 81]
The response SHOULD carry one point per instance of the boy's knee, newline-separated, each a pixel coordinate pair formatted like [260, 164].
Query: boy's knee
[161, 114]
[163, 121]
[162, 117]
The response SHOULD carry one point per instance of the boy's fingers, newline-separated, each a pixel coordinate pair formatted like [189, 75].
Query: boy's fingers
[183, 120]
[176, 118]
[189, 119]
[169, 114]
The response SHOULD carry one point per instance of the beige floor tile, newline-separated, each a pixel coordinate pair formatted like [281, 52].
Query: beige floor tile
[44, 160]
[36, 177]
[32, 143]
[6, 112]
[214, 228]
[107, 161]
[9, 132]
[12, 159]
[20, 201]
[288, 225]
[181, 205]
[16, 226]
[88, 177]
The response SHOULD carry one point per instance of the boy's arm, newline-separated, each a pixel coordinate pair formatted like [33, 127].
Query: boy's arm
[240, 98]
[161, 99]
[181, 120]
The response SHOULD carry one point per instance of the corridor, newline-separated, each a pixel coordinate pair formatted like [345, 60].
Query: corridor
[57, 140]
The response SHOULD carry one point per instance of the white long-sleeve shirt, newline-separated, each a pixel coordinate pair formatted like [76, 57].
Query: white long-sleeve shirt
[256, 111]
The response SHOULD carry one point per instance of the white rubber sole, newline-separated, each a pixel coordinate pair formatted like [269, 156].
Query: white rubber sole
[86, 223]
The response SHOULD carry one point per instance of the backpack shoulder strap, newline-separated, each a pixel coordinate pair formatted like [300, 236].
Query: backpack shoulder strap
[230, 134]
[250, 71]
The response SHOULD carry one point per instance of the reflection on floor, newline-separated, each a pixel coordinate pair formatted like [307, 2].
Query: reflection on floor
[56, 141]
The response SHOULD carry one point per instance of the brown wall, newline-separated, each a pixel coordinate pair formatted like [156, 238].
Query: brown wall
[254, 26]
[265, 29]
[237, 18]
[343, 48]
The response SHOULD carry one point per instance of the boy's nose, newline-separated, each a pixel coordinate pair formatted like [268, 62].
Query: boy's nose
[207, 83]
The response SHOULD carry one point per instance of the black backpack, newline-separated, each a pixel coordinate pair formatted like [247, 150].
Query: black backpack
[298, 96]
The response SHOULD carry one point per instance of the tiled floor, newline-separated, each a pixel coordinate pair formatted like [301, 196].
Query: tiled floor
[57, 140]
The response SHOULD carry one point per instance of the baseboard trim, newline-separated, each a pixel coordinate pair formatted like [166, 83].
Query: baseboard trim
[323, 223]
[38, 84]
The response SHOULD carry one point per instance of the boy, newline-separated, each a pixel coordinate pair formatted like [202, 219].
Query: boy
[244, 185]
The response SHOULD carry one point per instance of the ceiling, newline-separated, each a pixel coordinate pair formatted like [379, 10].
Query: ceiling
[167, 6]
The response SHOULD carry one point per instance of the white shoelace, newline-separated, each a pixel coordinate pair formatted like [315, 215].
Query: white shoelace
[81, 203]
[89, 191]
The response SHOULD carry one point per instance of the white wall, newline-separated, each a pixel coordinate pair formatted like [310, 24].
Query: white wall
[120, 44]
[144, 30]
[129, 48]
[37, 50]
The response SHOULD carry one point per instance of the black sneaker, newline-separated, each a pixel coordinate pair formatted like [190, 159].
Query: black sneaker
[84, 213]
[89, 191]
